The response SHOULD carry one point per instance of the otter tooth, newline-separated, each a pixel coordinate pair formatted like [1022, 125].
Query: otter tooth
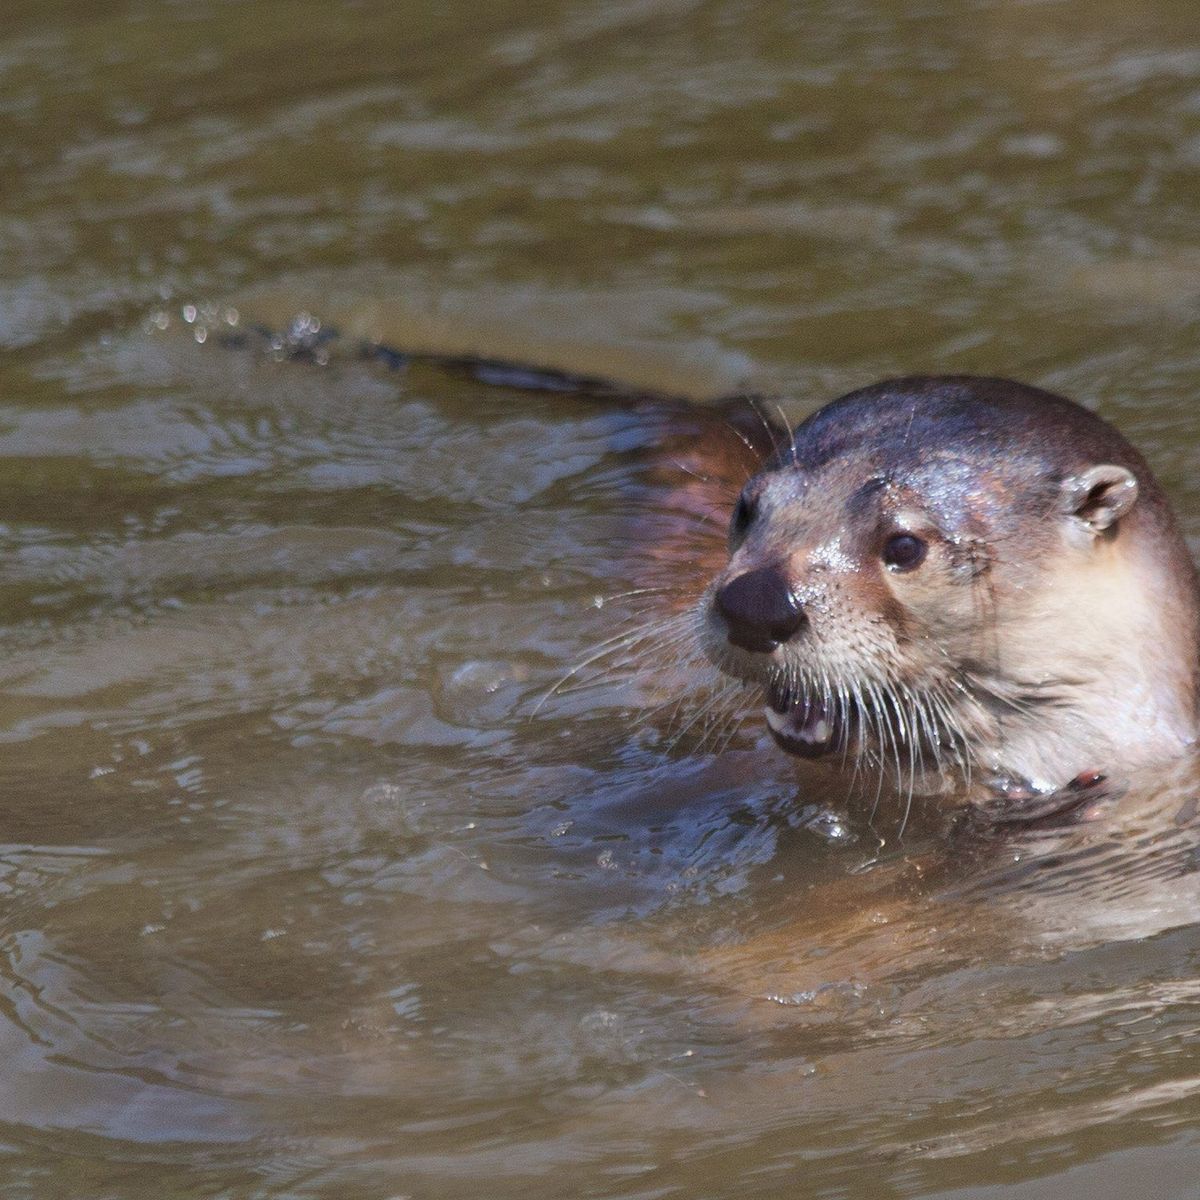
[782, 724]
[776, 720]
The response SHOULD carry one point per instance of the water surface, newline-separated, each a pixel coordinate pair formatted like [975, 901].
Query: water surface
[304, 896]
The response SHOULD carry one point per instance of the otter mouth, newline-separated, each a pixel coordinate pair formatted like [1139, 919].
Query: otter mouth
[803, 725]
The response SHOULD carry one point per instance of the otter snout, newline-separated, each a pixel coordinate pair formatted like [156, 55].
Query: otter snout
[759, 609]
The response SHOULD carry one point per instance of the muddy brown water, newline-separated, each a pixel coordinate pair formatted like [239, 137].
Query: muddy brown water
[302, 894]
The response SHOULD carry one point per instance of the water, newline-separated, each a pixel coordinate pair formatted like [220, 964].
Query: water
[303, 895]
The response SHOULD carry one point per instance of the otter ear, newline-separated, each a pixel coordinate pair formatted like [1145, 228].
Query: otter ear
[1099, 496]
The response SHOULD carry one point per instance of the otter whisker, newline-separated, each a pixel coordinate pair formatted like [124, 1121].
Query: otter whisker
[912, 738]
[775, 433]
[633, 667]
[960, 744]
[642, 591]
[736, 722]
[786, 424]
[756, 458]
[704, 708]
[641, 660]
[862, 749]
[895, 728]
[612, 645]
[733, 712]
[877, 714]
[932, 730]
[680, 465]
[843, 720]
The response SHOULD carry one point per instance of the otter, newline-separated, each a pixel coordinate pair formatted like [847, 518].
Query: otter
[955, 578]
[941, 579]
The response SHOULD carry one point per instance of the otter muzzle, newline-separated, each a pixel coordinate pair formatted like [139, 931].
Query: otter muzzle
[759, 610]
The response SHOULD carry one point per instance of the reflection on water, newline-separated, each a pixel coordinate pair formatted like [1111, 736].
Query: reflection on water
[304, 894]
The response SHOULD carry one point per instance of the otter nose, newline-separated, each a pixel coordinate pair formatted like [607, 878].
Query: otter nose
[759, 610]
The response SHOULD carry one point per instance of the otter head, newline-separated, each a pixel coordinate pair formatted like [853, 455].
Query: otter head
[943, 576]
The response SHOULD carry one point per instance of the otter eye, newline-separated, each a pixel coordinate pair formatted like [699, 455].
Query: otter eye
[743, 514]
[904, 551]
